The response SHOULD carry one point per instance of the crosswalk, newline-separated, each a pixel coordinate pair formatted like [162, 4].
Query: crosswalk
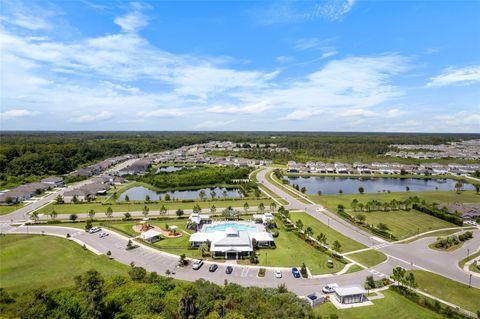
[377, 273]
[378, 246]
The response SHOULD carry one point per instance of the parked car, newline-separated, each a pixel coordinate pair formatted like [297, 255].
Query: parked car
[328, 289]
[197, 264]
[229, 270]
[94, 230]
[278, 273]
[104, 234]
[212, 268]
[296, 273]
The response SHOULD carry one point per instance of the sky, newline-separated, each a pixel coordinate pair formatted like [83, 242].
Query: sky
[333, 65]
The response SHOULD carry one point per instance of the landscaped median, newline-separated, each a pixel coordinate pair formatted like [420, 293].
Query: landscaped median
[270, 177]
[368, 258]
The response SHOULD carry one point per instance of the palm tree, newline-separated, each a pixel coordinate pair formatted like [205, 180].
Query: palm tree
[202, 194]
[360, 217]
[322, 238]
[225, 193]
[91, 214]
[53, 214]
[213, 194]
[109, 212]
[213, 209]
[246, 207]
[360, 206]
[145, 211]
[299, 224]
[308, 232]
[163, 210]
[458, 186]
[361, 190]
[273, 206]
[261, 207]
[354, 205]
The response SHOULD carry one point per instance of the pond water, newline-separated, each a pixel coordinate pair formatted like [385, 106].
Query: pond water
[329, 185]
[171, 169]
[139, 193]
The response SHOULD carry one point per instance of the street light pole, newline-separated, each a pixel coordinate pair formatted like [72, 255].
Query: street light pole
[468, 254]
[470, 281]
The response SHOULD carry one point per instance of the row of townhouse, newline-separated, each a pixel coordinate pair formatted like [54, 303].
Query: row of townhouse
[27, 191]
[99, 186]
[381, 168]
[137, 167]
[100, 167]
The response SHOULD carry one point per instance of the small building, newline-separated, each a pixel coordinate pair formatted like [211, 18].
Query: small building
[151, 236]
[350, 294]
[199, 219]
[263, 218]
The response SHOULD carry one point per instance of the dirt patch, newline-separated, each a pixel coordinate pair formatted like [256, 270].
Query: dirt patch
[140, 228]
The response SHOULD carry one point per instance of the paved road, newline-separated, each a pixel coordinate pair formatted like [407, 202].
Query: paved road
[414, 255]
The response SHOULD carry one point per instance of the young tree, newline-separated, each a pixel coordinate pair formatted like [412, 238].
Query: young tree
[361, 190]
[147, 198]
[370, 282]
[127, 215]
[145, 211]
[246, 207]
[383, 227]
[225, 193]
[303, 190]
[273, 206]
[204, 249]
[213, 194]
[167, 197]
[34, 216]
[109, 212]
[127, 199]
[53, 214]
[354, 204]
[213, 209]
[322, 239]
[299, 224]
[179, 212]
[202, 194]
[163, 210]
[261, 207]
[88, 225]
[340, 191]
[337, 246]
[308, 232]
[361, 217]
[73, 217]
[59, 199]
[319, 193]
[91, 214]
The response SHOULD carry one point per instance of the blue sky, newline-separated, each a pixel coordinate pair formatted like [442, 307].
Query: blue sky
[345, 65]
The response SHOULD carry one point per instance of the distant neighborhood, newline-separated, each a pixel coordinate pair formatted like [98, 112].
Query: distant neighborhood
[468, 150]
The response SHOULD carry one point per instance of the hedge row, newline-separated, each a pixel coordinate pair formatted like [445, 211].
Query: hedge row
[454, 219]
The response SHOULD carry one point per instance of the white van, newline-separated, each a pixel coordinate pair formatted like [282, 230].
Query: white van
[328, 289]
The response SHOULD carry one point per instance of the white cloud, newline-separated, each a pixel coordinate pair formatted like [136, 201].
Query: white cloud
[133, 21]
[460, 118]
[249, 109]
[89, 118]
[285, 59]
[213, 124]
[306, 43]
[31, 16]
[16, 113]
[451, 76]
[162, 113]
[334, 9]
[298, 115]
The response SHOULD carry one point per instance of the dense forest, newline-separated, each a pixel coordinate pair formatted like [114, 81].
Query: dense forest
[148, 295]
[27, 156]
[202, 176]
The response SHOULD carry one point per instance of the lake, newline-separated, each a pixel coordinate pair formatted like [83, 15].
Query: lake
[329, 185]
[139, 193]
[171, 169]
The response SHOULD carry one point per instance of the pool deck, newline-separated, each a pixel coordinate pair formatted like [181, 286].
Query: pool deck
[220, 224]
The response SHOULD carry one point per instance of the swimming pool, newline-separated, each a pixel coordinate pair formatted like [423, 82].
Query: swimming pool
[222, 227]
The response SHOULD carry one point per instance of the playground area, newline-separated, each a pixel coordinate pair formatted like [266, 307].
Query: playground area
[171, 232]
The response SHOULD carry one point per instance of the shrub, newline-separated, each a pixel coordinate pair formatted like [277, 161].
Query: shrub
[261, 272]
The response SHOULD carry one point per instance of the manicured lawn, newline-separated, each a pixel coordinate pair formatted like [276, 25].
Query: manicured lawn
[404, 224]
[448, 290]
[438, 233]
[7, 209]
[463, 261]
[474, 268]
[354, 268]
[29, 261]
[331, 201]
[291, 251]
[332, 235]
[154, 207]
[285, 187]
[392, 306]
[369, 257]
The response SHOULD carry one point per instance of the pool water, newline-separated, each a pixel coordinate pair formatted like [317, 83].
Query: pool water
[222, 227]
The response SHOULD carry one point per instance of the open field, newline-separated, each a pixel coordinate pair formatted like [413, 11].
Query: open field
[392, 306]
[437, 233]
[369, 257]
[404, 224]
[154, 207]
[7, 209]
[448, 290]
[331, 201]
[332, 235]
[48, 261]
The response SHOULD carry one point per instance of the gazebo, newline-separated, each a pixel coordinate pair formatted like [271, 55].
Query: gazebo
[151, 236]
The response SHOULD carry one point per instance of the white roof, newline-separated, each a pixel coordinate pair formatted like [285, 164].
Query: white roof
[150, 234]
[349, 290]
[173, 227]
[231, 231]
[262, 236]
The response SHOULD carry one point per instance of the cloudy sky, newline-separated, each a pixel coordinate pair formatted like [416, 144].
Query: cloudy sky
[345, 65]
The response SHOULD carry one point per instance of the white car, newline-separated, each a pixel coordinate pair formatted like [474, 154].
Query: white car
[328, 289]
[197, 265]
[103, 235]
[278, 273]
[94, 230]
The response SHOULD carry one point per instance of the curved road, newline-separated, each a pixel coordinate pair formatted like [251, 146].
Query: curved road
[415, 255]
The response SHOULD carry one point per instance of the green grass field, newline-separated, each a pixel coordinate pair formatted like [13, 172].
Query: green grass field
[438, 233]
[448, 290]
[404, 224]
[392, 306]
[368, 258]
[29, 261]
[154, 207]
[7, 209]
[354, 268]
[462, 262]
[331, 201]
[332, 235]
